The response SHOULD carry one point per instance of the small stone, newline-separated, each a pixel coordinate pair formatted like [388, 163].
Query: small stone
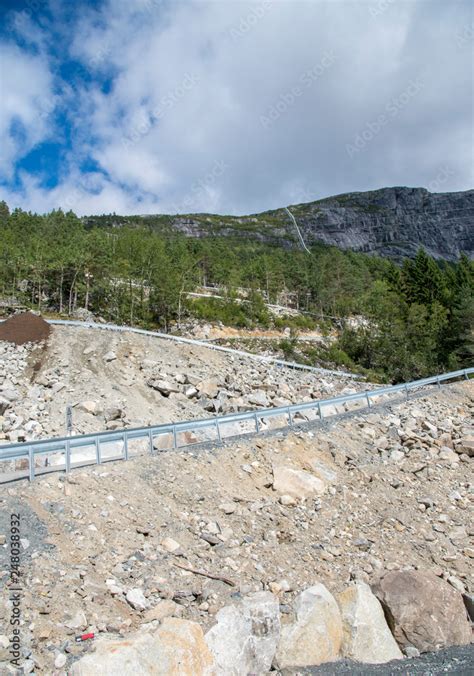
[466, 446]
[166, 608]
[77, 622]
[287, 500]
[426, 501]
[60, 660]
[456, 583]
[110, 356]
[228, 507]
[397, 456]
[448, 455]
[170, 545]
[136, 599]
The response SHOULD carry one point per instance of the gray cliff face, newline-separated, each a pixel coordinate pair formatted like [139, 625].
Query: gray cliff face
[393, 222]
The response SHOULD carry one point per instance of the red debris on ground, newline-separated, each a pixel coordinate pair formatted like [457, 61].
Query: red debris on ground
[24, 328]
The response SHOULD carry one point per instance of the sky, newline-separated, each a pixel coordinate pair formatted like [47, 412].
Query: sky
[181, 106]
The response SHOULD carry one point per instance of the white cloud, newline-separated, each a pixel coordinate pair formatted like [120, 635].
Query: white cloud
[192, 82]
[27, 99]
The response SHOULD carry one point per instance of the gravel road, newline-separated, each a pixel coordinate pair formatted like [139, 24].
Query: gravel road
[457, 660]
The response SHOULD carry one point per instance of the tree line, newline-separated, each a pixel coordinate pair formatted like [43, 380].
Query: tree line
[419, 315]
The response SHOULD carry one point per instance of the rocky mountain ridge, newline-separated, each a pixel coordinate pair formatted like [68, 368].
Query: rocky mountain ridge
[392, 222]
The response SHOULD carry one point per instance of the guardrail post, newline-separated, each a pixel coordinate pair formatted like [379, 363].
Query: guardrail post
[150, 438]
[406, 390]
[257, 426]
[290, 417]
[68, 456]
[368, 399]
[125, 446]
[97, 451]
[465, 375]
[438, 382]
[218, 431]
[320, 411]
[31, 463]
[175, 438]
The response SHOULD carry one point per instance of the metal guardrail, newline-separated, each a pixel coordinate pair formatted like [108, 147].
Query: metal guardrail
[203, 343]
[30, 450]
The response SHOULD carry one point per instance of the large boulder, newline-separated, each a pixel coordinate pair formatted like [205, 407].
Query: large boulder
[366, 636]
[423, 610]
[316, 635]
[245, 638]
[176, 648]
[298, 483]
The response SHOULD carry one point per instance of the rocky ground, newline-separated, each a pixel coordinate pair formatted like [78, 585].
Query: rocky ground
[114, 380]
[236, 557]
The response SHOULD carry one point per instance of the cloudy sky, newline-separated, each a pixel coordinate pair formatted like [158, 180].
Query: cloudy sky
[147, 106]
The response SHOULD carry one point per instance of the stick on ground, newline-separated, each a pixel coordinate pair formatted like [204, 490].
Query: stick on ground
[204, 574]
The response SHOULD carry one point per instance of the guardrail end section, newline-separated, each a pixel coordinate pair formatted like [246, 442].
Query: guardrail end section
[31, 463]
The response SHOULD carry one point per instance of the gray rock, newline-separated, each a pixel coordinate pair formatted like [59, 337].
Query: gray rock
[258, 398]
[246, 635]
[366, 636]
[466, 446]
[136, 599]
[297, 483]
[176, 647]
[208, 388]
[165, 387]
[316, 635]
[390, 222]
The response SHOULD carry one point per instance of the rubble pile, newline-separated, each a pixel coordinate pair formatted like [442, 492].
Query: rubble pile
[351, 539]
[113, 380]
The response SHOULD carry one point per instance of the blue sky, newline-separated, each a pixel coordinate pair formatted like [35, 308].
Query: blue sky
[147, 106]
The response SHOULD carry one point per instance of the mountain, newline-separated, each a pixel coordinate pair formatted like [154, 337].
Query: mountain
[391, 222]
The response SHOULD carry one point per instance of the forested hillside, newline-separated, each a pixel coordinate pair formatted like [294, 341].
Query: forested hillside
[420, 316]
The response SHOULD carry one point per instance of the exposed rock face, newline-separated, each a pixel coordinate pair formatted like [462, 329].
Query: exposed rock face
[177, 648]
[423, 610]
[390, 221]
[367, 637]
[393, 222]
[316, 636]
